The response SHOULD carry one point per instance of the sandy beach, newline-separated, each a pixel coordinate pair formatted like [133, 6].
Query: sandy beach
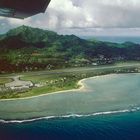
[80, 83]
[96, 95]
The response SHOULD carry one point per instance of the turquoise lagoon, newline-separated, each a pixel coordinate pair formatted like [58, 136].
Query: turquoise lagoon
[107, 108]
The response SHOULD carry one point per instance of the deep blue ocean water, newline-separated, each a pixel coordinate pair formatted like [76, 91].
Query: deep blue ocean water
[124, 126]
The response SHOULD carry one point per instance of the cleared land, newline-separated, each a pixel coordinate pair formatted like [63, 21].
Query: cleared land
[64, 79]
[5, 80]
[18, 83]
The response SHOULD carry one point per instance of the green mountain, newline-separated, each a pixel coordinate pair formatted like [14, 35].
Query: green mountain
[32, 35]
[26, 48]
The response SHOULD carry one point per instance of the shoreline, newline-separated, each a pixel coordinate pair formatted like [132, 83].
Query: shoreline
[80, 83]
[51, 93]
[5, 121]
[46, 100]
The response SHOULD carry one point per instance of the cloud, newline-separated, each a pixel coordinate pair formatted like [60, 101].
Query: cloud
[83, 15]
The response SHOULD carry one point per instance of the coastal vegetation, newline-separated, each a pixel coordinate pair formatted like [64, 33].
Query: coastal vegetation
[53, 62]
[26, 49]
[65, 79]
[4, 80]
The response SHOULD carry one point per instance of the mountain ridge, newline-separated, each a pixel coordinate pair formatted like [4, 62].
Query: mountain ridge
[26, 48]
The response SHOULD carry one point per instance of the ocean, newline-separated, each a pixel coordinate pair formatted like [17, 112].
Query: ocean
[122, 126]
[108, 108]
[115, 39]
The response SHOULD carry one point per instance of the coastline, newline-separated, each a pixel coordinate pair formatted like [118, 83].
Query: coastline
[16, 109]
[68, 116]
[80, 83]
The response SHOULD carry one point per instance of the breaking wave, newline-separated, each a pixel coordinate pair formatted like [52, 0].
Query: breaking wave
[134, 109]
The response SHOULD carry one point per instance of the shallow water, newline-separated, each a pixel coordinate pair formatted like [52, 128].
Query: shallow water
[101, 94]
[107, 109]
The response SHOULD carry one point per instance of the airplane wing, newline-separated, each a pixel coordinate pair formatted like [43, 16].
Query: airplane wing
[22, 8]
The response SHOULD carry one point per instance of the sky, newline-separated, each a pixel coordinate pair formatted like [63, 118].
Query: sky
[84, 18]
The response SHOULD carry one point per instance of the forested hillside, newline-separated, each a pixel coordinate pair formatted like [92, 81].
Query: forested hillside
[27, 49]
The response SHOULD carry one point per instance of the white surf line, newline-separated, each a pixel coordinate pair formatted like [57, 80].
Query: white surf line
[81, 83]
[71, 116]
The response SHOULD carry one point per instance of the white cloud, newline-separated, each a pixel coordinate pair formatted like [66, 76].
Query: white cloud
[84, 15]
[17, 22]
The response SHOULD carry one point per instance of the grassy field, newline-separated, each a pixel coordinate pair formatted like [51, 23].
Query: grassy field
[58, 80]
[5, 80]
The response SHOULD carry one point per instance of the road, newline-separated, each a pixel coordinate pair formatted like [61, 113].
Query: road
[18, 83]
[80, 69]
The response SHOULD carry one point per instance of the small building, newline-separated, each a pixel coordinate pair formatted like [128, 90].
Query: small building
[18, 84]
